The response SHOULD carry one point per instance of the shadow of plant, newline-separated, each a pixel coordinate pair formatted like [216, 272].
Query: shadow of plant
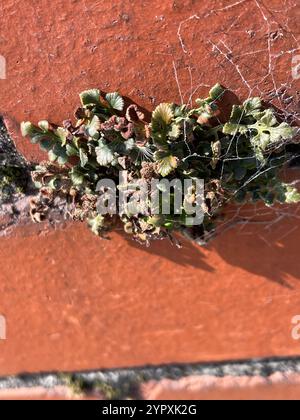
[262, 249]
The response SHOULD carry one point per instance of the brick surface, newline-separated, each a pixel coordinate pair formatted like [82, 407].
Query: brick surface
[53, 50]
[39, 393]
[74, 302]
[276, 387]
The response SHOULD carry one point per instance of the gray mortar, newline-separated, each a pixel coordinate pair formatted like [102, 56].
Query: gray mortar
[14, 205]
[14, 169]
[9, 156]
[120, 377]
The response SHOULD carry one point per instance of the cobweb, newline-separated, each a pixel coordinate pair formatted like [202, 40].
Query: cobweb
[257, 59]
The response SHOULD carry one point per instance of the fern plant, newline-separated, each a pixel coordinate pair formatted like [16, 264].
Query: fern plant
[239, 161]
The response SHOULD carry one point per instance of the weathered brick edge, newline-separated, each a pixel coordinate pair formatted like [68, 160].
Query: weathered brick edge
[188, 380]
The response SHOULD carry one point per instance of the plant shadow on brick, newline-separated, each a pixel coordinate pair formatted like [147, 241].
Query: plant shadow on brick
[240, 160]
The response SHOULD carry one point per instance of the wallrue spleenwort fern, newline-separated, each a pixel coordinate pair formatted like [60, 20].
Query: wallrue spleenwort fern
[239, 161]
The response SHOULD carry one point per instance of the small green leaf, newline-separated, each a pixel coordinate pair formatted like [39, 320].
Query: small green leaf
[37, 137]
[128, 145]
[44, 125]
[53, 184]
[292, 195]
[122, 147]
[233, 129]
[267, 118]
[27, 129]
[83, 157]
[166, 163]
[71, 150]
[90, 97]
[105, 155]
[216, 92]
[157, 220]
[174, 131]
[96, 224]
[59, 150]
[236, 115]
[46, 144]
[94, 126]
[115, 101]
[62, 135]
[282, 132]
[268, 133]
[169, 225]
[251, 105]
[58, 153]
[162, 116]
[52, 156]
[76, 176]
[62, 160]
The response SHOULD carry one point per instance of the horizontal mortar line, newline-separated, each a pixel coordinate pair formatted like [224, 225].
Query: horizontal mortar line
[264, 367]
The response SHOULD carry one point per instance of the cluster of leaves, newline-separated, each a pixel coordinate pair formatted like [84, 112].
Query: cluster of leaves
[239, 160]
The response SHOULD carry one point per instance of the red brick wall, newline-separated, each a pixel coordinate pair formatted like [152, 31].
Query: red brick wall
[73, 302]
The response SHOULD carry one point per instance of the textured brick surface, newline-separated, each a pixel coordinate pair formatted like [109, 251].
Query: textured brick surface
[35, 394]
[74, 302]
[55, 49]
[276, 387]
[39, 393]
